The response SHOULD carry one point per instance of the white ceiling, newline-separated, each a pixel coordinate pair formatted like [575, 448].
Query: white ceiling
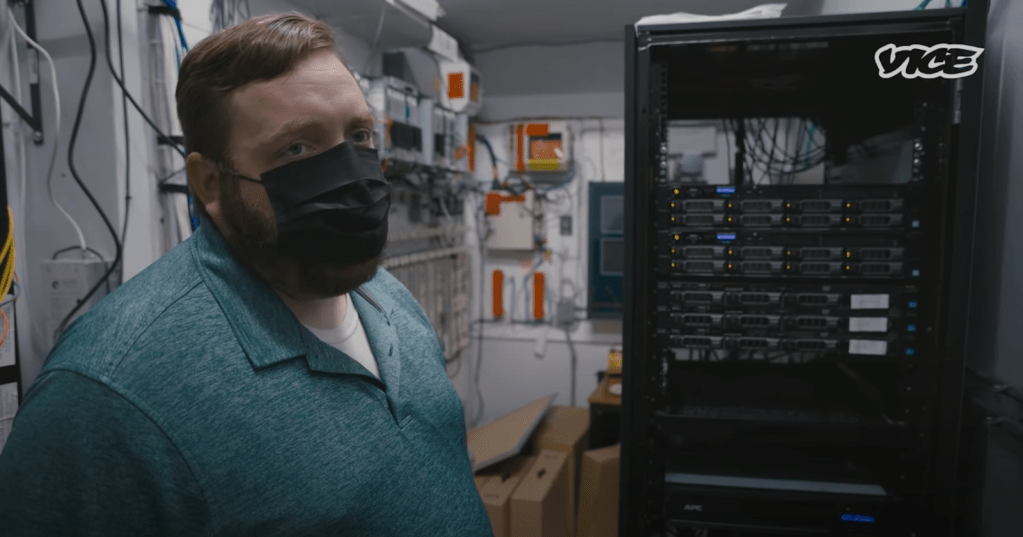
[483, 25]
[486, 24]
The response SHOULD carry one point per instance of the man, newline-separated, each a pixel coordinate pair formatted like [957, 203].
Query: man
[265, 377]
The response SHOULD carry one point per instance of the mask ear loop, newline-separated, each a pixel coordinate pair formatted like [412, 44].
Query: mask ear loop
[232, 173]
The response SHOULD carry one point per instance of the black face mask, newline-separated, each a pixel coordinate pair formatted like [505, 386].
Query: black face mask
[332, 207]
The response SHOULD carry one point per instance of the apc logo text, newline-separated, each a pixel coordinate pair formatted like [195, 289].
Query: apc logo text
[919, 61]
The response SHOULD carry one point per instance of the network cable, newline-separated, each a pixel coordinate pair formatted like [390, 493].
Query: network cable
[74, 172]
[173, 4]
[56, 133]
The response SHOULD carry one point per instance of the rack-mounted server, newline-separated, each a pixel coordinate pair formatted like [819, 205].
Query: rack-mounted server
[793, 345]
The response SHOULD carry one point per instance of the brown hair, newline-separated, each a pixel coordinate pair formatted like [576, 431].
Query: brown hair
[261, 48]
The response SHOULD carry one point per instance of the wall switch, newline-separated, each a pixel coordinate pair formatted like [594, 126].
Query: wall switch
[566, 225]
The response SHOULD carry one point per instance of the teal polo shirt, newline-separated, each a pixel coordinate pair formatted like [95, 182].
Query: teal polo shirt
[191, 402]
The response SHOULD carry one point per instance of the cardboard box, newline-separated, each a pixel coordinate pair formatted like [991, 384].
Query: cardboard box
[506, 436]
[565, 430]
[501, 481]
[538, 505]
[481, 480]
[598, 493]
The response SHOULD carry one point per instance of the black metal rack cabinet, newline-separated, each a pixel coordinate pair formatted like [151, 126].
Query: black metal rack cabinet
[756, 398]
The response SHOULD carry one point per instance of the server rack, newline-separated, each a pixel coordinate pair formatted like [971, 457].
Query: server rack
[794, 353]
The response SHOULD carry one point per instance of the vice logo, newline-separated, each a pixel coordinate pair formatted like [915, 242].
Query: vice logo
[918, 61]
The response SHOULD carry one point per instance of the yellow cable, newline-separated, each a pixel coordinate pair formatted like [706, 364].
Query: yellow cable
[8, 273]
[5, 284]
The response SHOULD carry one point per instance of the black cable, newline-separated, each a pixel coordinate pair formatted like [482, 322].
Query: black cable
[164, 180]
[163, 137]
[796, 163]
[74, 172]
[490, 149]
[127, 135]
[573, 366]
[93, 252]
[479, 345]
[70, 248]
[728, 156]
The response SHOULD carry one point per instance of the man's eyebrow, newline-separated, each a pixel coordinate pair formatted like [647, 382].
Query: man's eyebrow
[291, 127]
[363, 120]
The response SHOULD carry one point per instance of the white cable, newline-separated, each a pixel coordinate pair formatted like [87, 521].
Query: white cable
[16, 125]
[8, 38]
[56, 132]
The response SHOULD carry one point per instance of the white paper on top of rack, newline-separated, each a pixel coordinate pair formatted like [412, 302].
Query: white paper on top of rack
[764, 11]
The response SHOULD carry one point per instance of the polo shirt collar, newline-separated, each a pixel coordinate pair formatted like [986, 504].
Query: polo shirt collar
[266, 329]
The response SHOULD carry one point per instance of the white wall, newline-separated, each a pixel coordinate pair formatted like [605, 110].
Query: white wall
[511, 375]
[40, 229]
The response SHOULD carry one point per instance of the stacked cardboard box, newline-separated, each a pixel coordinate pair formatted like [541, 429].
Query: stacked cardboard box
[554, 488]
[565, 430]
[598, 493]
[538, 505]
[500, 482]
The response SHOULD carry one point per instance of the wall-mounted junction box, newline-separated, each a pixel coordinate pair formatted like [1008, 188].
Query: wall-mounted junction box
[541, 147]
[395, 103]
[68, 281]
[511, 221]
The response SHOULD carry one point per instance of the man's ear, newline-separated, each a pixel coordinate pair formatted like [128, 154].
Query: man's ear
[203, 180]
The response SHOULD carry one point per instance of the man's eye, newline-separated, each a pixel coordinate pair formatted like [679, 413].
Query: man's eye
[363, 137]
[296, 150]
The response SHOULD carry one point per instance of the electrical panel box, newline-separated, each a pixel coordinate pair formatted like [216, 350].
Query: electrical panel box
[395, 103]
[511, 221]
[541, 147]
[462, 87]
[426, 116]
[441, 142]
[449, 132]
[67, 281]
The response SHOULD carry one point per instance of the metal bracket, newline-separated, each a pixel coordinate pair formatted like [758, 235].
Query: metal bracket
[35, 118]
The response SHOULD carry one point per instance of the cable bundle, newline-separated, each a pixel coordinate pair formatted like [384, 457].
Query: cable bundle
[779, 161]
[227, 13]
[7, 273]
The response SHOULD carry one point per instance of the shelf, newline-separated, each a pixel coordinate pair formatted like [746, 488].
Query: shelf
[402, 27]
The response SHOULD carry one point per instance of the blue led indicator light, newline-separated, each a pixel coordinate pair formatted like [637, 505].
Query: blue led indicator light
[912, 304]
[726, 190]
[726, 236]
[866, 519]
[910, 352]
[911, 328]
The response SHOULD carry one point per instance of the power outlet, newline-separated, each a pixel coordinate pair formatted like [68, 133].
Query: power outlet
[566, 225]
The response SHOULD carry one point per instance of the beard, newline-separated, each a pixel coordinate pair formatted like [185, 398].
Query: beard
[248, 231]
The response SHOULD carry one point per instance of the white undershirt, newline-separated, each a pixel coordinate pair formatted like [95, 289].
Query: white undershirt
[350, 338]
